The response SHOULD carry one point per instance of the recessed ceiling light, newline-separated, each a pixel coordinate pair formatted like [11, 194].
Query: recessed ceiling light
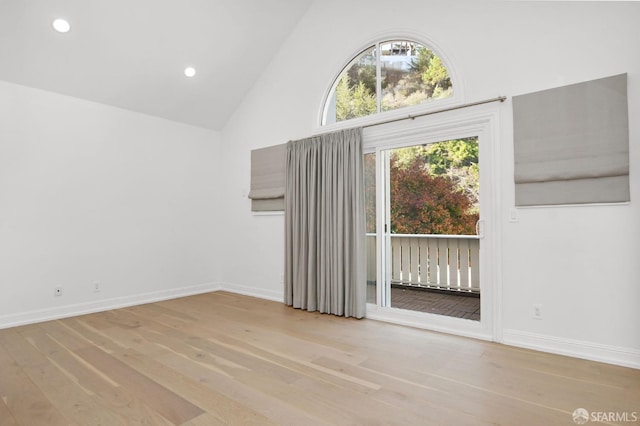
[61, 25]
[189, 71]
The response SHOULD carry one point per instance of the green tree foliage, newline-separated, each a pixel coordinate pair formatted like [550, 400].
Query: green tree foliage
[365, 74]
[354, 100]
[427, 78]
[356, 91]
[453, 154]
[431, 71]
[457, 159]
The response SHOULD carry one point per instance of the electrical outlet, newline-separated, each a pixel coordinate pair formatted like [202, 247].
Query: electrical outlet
[96, 286]
[57, 291]
[537, 311]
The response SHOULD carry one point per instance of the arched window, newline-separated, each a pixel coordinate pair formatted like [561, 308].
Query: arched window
[389, 75]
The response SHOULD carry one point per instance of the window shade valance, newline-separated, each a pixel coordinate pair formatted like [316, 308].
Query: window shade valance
[571, 144]
[267, 178]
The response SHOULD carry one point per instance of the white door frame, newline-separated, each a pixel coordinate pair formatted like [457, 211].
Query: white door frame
[483, 123]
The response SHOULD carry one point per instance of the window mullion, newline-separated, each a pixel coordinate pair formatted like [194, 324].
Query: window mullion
[378, 79]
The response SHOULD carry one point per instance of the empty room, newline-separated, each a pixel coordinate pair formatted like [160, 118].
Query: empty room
[319, 212]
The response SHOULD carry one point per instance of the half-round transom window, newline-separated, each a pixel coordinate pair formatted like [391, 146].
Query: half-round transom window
[387, 76]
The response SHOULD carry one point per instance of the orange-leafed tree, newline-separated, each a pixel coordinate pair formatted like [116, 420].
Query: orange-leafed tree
[423, 203]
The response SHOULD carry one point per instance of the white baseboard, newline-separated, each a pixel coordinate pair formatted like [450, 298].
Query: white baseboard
[625, 357]
[276, 296]
[31, 317]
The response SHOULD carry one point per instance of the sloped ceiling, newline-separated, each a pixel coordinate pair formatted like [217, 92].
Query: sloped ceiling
[132, 53]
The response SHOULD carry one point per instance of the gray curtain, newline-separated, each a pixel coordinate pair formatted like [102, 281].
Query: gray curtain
[324, 224]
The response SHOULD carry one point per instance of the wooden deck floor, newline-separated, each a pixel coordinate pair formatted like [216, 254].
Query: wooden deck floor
[448, 304]
[226, 359]
[438, 303]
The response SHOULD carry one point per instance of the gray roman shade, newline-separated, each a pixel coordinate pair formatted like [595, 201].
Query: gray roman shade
[571, 144]
[267, 178]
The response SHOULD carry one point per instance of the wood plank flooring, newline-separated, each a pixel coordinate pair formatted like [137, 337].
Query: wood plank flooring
[221, 358]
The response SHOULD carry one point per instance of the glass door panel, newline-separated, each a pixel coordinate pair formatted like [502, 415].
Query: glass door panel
[370, 223]
[432, 250]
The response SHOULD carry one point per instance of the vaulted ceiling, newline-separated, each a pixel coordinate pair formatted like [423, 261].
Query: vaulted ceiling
[132, 53]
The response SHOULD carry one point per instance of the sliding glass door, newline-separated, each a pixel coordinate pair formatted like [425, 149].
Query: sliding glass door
[431, 228]
[425, 209]
[432, 247]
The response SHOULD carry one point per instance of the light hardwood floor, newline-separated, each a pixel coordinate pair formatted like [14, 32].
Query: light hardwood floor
[221, 358]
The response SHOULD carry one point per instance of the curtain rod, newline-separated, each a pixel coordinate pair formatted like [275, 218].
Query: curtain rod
[411, 117]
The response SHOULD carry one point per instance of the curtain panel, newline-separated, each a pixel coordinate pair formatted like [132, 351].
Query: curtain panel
[324, 224]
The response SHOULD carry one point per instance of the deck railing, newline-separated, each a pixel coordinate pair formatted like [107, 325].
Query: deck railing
[445, 262]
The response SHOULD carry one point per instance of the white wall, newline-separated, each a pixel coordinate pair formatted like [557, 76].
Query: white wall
[578, 262]
[90, 192]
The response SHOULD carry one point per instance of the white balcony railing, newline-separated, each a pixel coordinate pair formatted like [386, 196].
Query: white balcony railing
[445, 262]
